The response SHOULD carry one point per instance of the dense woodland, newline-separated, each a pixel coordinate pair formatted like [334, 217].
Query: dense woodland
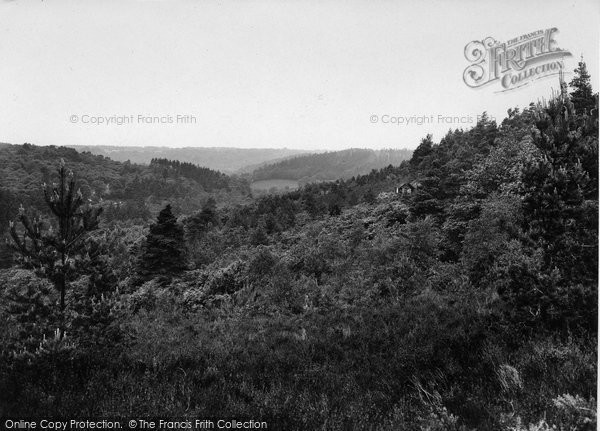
[329, 166]
[468, 304]
[228, 160]
[127, 192]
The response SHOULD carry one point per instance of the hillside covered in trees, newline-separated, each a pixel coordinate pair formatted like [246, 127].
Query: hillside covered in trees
[330, 166]
[127, 192]
[23, 168]
[228, 160]
[468, 304]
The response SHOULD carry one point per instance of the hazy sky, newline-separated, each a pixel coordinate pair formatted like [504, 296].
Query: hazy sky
[296, 74]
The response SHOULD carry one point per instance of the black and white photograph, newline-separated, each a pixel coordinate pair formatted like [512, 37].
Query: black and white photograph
[312, 215]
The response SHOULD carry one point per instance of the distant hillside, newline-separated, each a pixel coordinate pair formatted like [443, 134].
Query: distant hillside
[250, 168]
[135, 189]
[228, 160]
[331, 165]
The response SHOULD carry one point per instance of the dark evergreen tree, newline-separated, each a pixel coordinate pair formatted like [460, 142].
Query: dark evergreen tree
[582, 95]
[163, 253]
[55, 252]
[560, 205]
[423, 150]
[199, 223]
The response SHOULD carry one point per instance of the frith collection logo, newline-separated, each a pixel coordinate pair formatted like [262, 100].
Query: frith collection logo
[515, 63]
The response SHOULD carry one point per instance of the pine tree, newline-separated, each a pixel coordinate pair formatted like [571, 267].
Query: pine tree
[423, 150]
[582, 95]
[56, 252]
[560, 208]
[164, 249]
[198, 224]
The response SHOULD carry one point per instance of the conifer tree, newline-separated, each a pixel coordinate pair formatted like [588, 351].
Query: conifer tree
[55, 252]
[164, 249]
[582, 95]
[197, 224]
[560, 208]
[423, 150]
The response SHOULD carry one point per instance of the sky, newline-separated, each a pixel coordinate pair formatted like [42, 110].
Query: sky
[315, 74]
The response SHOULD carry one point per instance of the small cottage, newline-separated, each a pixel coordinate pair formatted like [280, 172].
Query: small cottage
[407, 188]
